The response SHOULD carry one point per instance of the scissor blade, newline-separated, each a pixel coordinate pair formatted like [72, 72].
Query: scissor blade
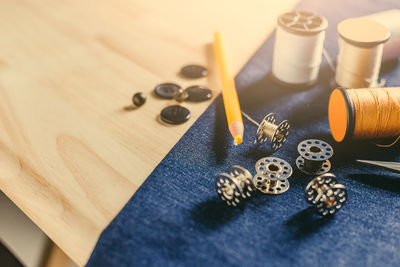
[393, 166]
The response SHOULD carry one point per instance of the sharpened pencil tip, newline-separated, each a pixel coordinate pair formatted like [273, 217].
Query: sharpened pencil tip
[237, 140]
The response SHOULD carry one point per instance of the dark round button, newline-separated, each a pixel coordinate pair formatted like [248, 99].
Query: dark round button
[166, 90]
[175, 114]
[198, 93]
[138, 99]
[194, 71]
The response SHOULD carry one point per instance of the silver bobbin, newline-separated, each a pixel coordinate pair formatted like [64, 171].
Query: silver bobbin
[275, 166]
[270, 184]
[234, 186]
[314, 156]
[268, 130]
[326, 194]
[272, 175]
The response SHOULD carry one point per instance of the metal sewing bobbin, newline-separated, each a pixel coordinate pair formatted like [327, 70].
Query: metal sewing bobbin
[326, 194]
[314, 156]
[234, 186]
[272, 175]
[268, 130]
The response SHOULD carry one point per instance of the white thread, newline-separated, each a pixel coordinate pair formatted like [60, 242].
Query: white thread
[390, 19]
[298, 47]
[358, 67]
[360, 52]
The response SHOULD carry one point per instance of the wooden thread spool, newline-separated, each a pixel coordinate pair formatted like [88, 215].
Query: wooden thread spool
[360, 52]
[364, 113]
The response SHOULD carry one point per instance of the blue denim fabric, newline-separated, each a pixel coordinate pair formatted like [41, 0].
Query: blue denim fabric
[176, 219]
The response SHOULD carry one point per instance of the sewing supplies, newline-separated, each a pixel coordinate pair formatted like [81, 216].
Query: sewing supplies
[175, 114]
[268, 130]
[314, 156]
[391, 20]
[326, 194]
[234, 186]
[298, 48]
[361, 43]
[166, 90]
[229, 94]
[392, 166]
[138, 99]
[194, 71]
[198, 93]
[364, 113]
[181, 95]
[272, 175]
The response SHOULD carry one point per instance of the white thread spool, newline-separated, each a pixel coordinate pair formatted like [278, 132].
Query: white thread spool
[298, 48]
[390, 19]
[360, 52]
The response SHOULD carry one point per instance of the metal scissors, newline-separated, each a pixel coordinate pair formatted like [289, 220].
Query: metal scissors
[393, 166]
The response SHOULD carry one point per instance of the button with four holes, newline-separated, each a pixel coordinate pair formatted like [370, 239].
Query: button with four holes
[175, 114]
[166, 90]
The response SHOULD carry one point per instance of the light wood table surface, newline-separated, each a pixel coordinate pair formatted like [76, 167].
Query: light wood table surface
[70, 155]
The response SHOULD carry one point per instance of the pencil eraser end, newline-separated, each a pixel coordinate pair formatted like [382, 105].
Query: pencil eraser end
[237, 140]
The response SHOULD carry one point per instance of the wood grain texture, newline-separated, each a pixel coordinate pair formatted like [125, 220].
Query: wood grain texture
[71, 156]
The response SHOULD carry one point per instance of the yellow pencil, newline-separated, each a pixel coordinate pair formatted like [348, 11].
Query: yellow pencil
[229, 94]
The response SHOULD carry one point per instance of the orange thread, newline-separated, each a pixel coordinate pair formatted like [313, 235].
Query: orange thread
[389, 145]
[377, 113]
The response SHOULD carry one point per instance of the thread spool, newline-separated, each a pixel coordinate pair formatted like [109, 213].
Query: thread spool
[364, 113]
[390, 19]
[360, 52]
[298, 48]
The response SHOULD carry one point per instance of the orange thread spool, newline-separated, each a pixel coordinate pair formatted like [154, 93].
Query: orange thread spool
[365, 113]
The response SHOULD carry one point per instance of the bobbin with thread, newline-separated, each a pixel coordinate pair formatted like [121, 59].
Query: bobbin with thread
[298, 49]
[314, 156]
[234, 186]
[272, 175]
[268, 130]
[364, 113]
[326, 194]
[361, 43]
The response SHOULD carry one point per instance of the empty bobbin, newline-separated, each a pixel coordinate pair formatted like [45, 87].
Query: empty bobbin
[314, 156]
[234, 186]
[268, 130]
[272, 175]
[326, 194]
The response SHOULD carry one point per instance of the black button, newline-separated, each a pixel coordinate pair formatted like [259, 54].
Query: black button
[198, 93]
[166, 90]
[175, 114]
[138, 99]
[194, 71]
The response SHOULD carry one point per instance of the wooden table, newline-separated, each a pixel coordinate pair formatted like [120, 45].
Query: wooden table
[71, 156]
